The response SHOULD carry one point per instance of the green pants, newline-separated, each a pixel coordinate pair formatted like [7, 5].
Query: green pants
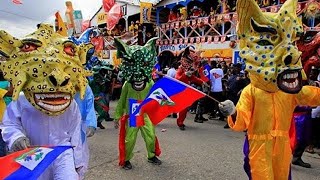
[148, 134]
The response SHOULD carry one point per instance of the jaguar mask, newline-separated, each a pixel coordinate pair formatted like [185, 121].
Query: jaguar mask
[267, 45]
[46, 66]
[137, 62]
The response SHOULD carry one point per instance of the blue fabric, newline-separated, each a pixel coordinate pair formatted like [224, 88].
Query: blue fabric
[86, 107]
[207, 68]
[133, 112]
[27, 174]
[246, 151]
[4, 84]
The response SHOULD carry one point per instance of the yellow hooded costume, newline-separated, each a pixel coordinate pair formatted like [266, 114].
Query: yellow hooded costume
[265, 108]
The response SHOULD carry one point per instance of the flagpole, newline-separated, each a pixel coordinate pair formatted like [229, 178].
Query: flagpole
[193, 88]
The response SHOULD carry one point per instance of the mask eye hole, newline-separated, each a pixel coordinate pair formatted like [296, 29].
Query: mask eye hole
[70, 50]
[264, 43]
[28, 47]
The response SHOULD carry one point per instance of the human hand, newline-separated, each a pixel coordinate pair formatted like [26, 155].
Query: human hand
[20, 144]
[188, 73]
[90, 131]
[227, 108]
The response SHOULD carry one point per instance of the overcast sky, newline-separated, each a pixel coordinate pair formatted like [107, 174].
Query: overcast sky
[20, 20]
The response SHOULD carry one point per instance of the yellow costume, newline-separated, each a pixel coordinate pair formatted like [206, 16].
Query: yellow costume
[267, 117]
[265, 108]
[3, 92]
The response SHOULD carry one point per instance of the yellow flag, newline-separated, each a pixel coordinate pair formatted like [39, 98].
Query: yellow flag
[61, 27]
[145, 12]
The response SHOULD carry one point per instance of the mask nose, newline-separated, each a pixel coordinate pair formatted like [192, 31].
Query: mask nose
[58, 79]
[288, 60]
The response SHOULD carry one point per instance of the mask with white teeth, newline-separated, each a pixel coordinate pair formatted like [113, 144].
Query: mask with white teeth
[267, 45]
[137, 62]
[46, 66]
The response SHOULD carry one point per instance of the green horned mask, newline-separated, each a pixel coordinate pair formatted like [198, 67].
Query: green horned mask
[267, 44]
[46, 66]
[137, 62]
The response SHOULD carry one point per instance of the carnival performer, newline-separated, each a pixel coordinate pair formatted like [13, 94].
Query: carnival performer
[89, 121]
[47, 67]
[136, 67]
[185, 73]
[101, 87]
[265, 107]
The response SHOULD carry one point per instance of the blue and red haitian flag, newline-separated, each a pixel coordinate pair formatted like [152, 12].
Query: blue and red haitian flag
[167, 96]
[135, 119]
[30, 163]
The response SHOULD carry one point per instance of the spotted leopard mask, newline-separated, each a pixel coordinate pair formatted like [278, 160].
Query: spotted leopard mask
[137, 62]
[267, 44]
[46, 66]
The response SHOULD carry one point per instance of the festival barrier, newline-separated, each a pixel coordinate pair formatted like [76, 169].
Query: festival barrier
[212, 29]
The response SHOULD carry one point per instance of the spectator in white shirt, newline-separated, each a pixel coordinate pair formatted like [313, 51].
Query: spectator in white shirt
[216, 75]
[173, 70]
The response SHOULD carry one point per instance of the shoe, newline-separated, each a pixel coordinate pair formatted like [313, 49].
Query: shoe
[226, 126]
[109, 119]
[154, 160]
[182, 128]
[100, 125]
[203, 119]
[299, 162]
[213, 117]
[197, 120]
[127, 165]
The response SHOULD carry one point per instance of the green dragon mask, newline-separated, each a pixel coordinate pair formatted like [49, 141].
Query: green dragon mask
[137, 62]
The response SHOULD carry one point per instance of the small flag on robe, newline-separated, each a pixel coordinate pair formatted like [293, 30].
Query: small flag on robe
[167, 96]
[135, 119]
[17, 1]
[30, 163]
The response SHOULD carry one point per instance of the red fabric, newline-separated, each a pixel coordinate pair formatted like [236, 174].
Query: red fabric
[10, 165]
[122, 139]
[182, 117]
[158, 112]
[98, 43]
[17, 1]
[107, 4]
[85, 25]
[180, 75]
[114, 15]
[292, 134]
[157, 148]
[203, 77]
[104, 107]
[172, 17]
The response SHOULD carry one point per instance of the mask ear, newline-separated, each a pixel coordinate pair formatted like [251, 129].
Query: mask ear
[246, 10]
[290, 6]
[84, 49]
[121, 48]
[151, 44]
[8, 44]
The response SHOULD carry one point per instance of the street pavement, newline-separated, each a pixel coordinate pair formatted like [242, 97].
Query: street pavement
[202, 151]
